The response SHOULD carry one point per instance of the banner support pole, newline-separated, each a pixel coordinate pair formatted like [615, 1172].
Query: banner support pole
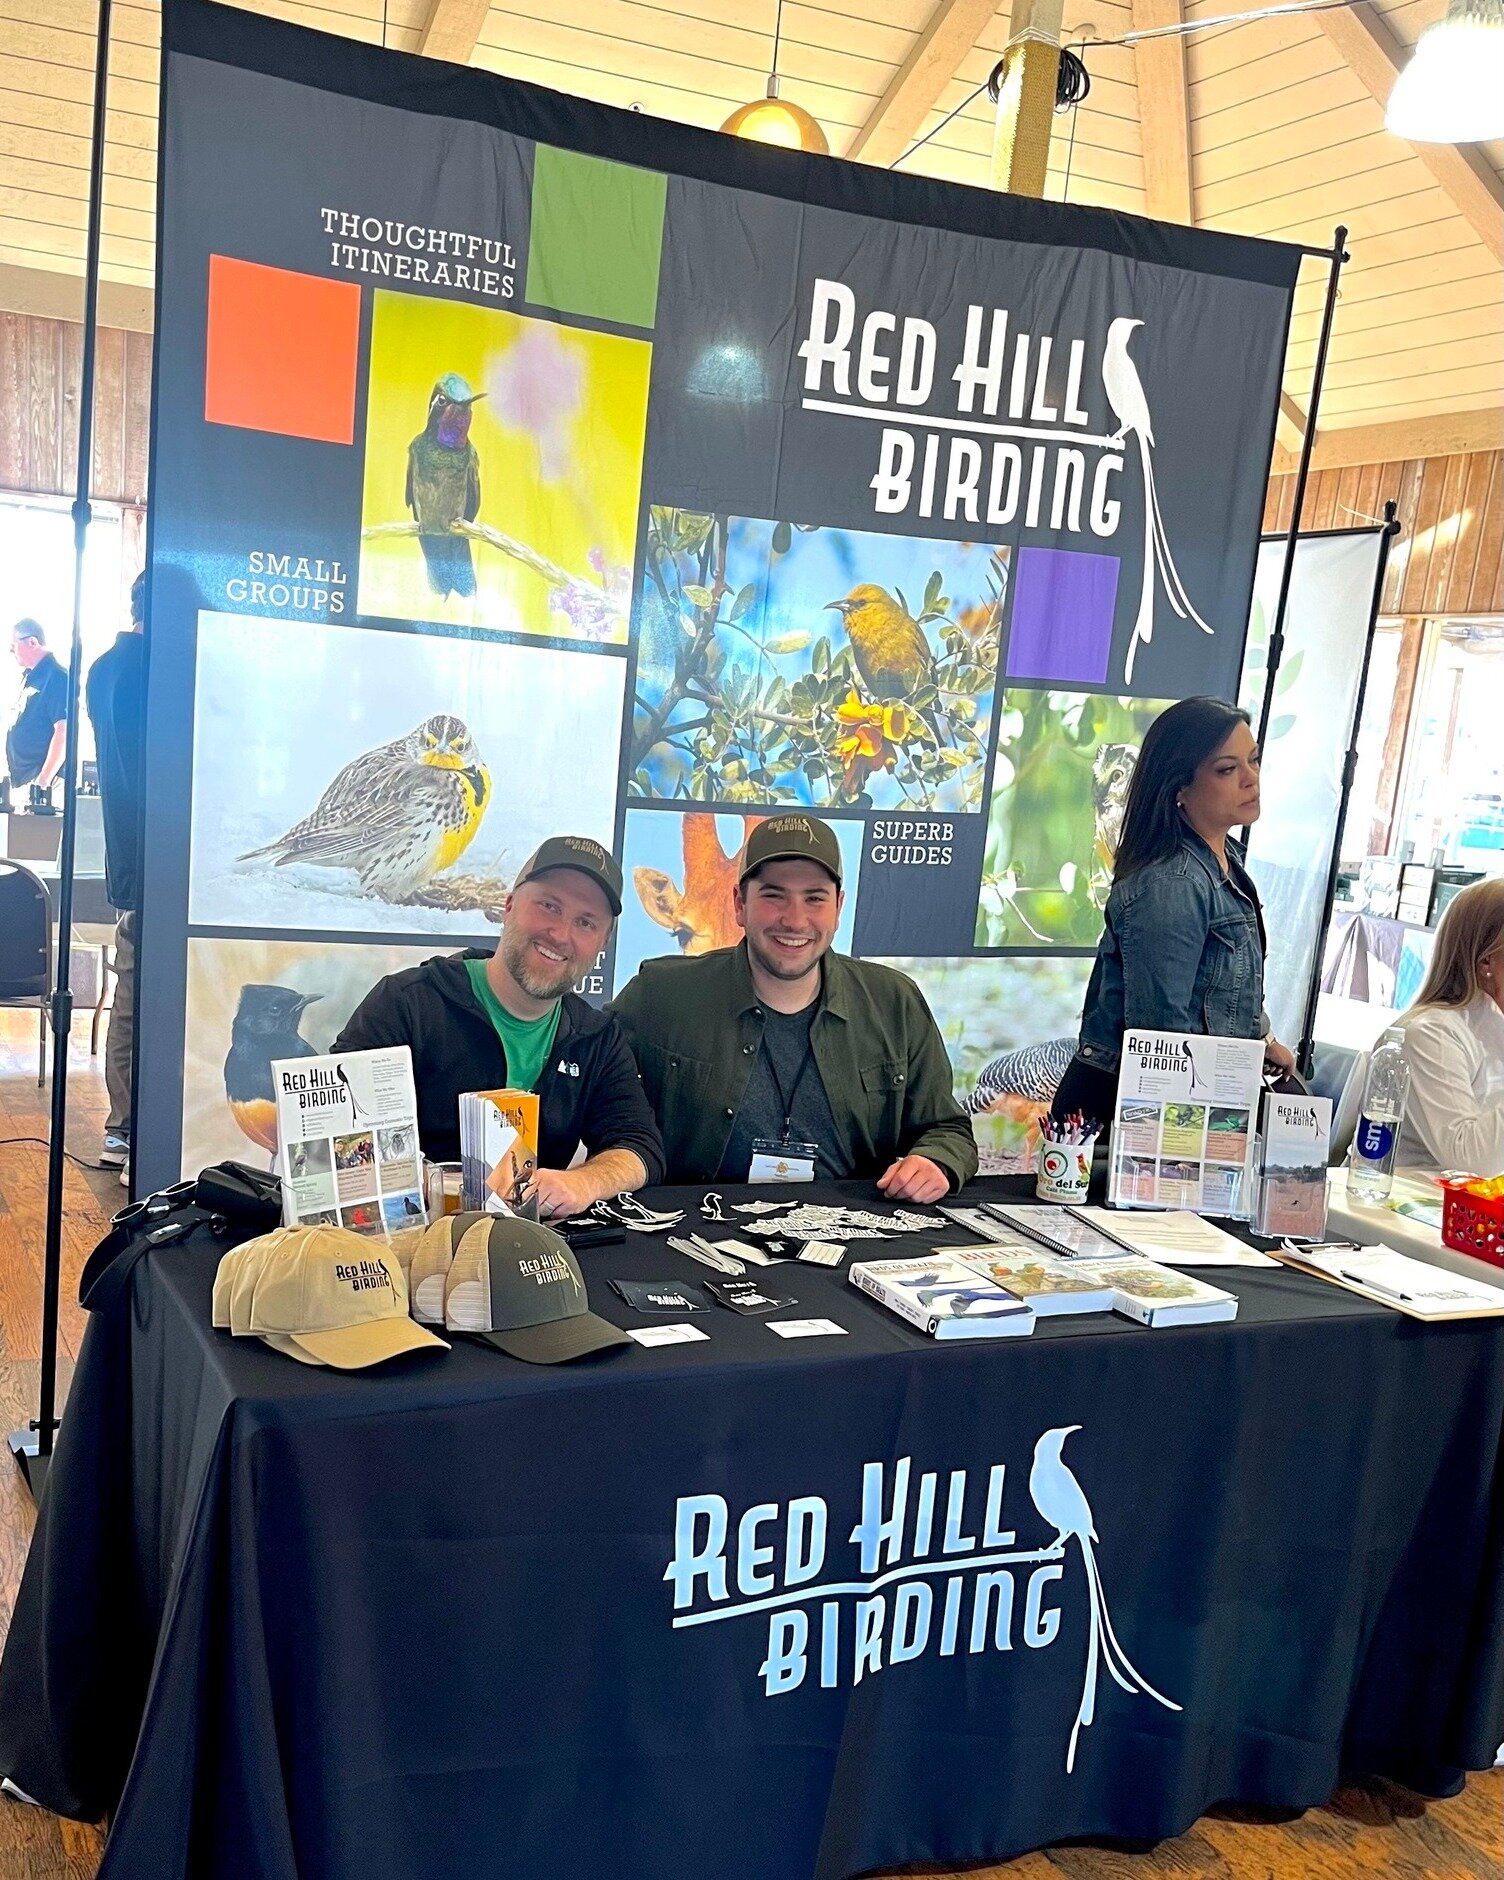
[1336, 256]
[1305, 1051]
[32, 1447]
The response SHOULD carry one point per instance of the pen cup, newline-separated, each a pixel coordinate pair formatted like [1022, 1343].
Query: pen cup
[1062, 1170]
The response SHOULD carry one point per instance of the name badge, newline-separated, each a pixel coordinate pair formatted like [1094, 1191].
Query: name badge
[782, 1161]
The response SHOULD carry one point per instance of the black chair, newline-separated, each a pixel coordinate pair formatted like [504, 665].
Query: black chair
[26, 947]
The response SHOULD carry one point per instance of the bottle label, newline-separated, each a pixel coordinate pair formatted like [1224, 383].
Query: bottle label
[1374, 1140]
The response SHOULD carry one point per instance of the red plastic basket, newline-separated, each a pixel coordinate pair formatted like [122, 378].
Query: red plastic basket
[1473, 1223]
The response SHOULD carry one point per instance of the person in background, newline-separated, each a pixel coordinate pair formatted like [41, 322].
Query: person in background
[115, 694]
[781, 1051]
[1183, 948]
[475, 1021]
[1454, 1043]
[37, 739]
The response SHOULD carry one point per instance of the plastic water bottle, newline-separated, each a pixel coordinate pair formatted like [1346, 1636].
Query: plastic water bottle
[1370, 1164]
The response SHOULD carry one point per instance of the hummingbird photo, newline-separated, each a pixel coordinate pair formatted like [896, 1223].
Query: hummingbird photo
[443, 486]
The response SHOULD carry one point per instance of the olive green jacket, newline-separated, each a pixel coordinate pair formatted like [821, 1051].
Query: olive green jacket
[695, 1026]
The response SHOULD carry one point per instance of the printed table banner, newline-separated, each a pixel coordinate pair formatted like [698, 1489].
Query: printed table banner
[525, 466]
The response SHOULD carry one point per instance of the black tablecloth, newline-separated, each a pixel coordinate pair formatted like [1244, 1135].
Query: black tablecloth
[421, 1622]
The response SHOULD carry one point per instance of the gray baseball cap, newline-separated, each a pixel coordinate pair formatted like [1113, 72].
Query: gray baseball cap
[793, 838]
[520, 1287]
[581, 852]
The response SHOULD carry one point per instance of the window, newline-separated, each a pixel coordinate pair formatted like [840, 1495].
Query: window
[36, 552]
[1452, 790]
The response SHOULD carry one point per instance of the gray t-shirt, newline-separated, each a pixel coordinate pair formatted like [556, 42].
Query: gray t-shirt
[786, 1063]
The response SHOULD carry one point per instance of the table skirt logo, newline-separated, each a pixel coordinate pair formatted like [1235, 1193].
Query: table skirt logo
[921, 1582]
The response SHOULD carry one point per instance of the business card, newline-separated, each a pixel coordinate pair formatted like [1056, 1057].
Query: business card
[667, 1334]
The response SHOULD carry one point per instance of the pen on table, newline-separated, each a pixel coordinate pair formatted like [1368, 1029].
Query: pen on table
[1373, 1285]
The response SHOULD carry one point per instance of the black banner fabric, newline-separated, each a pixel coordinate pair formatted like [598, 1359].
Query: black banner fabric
[523, 466]
[752, 1607]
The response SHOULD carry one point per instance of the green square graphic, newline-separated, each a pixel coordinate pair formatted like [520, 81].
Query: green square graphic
[597, 232]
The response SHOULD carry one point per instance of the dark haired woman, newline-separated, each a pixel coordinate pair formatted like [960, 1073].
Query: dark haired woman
[1183, 948]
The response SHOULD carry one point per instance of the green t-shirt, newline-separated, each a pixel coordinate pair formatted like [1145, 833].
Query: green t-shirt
[526, 1041]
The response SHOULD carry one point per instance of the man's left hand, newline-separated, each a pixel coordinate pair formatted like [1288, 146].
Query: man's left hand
[1280, 1054]
[914, 1178]
[561, 1192]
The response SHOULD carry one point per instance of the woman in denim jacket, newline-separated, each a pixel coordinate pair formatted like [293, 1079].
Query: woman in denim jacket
[1183, 948]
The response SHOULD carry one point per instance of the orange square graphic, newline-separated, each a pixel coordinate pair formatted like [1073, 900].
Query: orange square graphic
[282, 351]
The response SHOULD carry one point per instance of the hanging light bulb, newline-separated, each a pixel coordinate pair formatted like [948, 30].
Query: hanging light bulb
[1452, 91]
[773, 120]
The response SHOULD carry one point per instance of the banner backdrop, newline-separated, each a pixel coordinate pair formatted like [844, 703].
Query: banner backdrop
[521, 465]
[1328, 621]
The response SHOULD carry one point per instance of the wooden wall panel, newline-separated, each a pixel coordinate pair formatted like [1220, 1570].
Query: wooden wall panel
[1449, 556]
[41, 364]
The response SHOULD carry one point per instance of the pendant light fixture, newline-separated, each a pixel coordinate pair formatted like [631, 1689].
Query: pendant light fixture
[773, 120]
[1452, 91]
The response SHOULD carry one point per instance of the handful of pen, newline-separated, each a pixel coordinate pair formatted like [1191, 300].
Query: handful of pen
[1072, 1129]
[1062, 1167]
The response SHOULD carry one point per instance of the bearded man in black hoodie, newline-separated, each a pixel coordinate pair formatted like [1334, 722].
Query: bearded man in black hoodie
[510, 1020]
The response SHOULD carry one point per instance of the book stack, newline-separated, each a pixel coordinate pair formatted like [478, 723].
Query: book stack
[944, 1297]
[994, 1291]
[498, 1151]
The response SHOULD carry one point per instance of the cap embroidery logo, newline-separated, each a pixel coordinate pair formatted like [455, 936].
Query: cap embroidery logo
[364, 1276]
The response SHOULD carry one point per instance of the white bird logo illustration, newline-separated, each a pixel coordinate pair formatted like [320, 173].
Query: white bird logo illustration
[1059, 1498]
[1125, 393]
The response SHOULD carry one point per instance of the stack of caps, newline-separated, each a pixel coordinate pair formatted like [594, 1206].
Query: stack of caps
[514, 1283]
[321, 1295]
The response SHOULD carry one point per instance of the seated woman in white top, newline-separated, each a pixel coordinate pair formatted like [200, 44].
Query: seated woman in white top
[1454, 1043]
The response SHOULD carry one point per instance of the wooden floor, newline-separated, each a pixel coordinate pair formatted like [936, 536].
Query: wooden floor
[1358, 1834]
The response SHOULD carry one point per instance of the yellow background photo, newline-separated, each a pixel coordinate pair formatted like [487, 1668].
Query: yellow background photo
[559, 435]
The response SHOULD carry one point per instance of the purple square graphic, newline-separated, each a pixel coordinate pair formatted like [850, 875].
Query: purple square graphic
[1062, 616]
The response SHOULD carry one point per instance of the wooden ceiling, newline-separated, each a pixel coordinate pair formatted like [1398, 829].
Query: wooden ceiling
[1273, 128]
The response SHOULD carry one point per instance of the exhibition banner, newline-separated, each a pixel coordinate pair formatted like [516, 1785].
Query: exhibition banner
[523, 466]
[1312, 726]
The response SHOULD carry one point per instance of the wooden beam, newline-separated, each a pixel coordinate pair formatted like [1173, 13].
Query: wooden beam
[1375, 55]
[1291, 424]
[1453, 434]
[1164, 113]
[951, 31]
[60, 296]
[453, 29]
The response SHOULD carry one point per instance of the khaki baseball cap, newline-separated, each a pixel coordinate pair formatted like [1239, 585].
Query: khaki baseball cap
[332, 1297]
[432, 1260]
[581, 852]
[519, 1287]
[793, 839]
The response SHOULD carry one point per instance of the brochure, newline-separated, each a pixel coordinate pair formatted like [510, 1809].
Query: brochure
[347, 1140]
[1293, 1147]
[1183, 1125]
[943, 1297]
[498, 1150]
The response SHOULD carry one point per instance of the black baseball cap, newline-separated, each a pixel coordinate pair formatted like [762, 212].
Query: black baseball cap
[520, 1288]
[581, 852]
[793, 839]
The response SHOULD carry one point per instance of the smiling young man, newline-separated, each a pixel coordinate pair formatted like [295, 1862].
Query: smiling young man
[781, 1053]
[510, 1020]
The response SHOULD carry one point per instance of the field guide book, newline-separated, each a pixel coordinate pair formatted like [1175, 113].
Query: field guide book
[1052, 1286]
[1157, 1295]
[944, 1297]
